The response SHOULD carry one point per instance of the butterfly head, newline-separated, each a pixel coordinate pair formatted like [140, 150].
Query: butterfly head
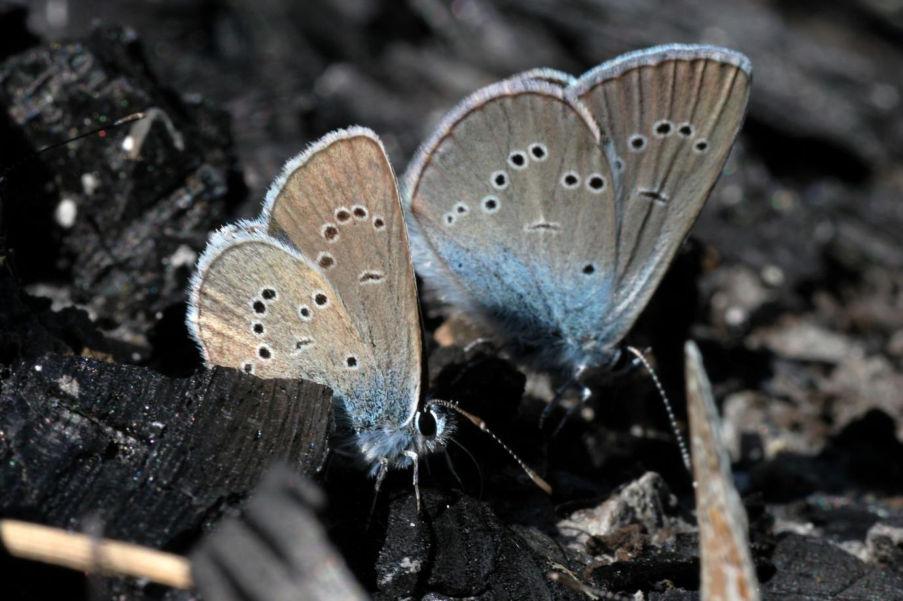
[588, 356]
[432, 424]
[425, 433]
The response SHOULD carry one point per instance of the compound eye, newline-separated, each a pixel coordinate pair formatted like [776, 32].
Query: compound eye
[426, 423]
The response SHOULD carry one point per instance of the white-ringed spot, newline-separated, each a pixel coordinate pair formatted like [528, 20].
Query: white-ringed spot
[637, 143]
[325, 260]
[330, 232]
[570, 180]
[320, 299]
[517, 160]
[305, 313]
[490, 204]
[538, 151]
[662, 129]
[595, 183]
[360, 212]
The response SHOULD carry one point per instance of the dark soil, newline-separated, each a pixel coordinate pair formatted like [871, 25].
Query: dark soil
[792, 284]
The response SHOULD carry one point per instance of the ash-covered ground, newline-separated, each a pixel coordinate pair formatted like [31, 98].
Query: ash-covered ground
[791, 283]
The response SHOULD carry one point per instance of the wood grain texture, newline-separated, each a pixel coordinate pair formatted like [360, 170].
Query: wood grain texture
[151, 459]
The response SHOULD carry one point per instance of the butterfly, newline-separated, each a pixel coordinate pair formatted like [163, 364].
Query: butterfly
[549, 207]
[321, 286]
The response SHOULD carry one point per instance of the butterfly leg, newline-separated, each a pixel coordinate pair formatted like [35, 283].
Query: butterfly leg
[451, 468]
[556, 400]
[585, 394]
[416, 469]
[380, 476]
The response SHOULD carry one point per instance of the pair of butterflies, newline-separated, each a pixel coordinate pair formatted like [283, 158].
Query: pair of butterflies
[546, 205]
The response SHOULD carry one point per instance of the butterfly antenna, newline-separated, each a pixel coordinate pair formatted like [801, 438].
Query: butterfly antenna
[472, 460]
[681, 443]
[102, 131]
[479, 423]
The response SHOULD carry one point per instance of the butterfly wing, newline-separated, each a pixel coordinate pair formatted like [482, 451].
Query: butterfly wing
[337, 204]
[551, 76]
[499, 195]
[670, 115]
[259, 306]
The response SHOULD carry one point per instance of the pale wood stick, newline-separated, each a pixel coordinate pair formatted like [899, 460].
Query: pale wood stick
[88, 554]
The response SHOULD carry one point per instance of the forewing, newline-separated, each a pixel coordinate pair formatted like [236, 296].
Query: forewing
[514, 195]
[338, 204]
[669, 116]
[259, 306]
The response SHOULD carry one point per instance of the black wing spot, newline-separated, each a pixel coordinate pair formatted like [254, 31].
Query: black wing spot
[370, 277]
[360, 212]
[248, 368]
[517, 159]
[378, 223]
[342, 215]
[589, 269]
[304, 312]
[330, 232]
[655, 195]
[321, 299]
[663, 128]
[258, 328]
[259, 307]
[637, 142]
[570, 180]
[686, 130]
[539, 151]
[543, 226]
[264, 352]
[302, 342]
[490, 204]
[351, 362]
[701, 146]
[499, 180]
[326, 260]
[268, 294]
[595, 182]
